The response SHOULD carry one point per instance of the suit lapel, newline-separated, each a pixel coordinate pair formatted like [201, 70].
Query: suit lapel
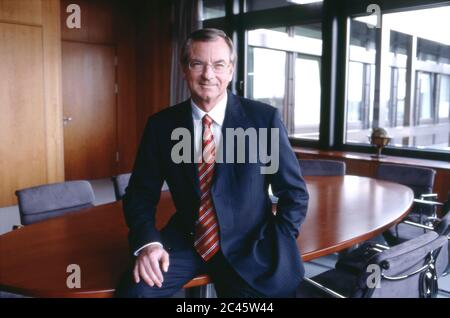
[234, 118]
[190, 169]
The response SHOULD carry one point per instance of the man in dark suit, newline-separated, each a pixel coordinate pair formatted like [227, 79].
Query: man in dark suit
[223, 225]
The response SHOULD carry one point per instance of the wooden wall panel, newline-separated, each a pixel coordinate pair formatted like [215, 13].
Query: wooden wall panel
[101, 21]
[126, 76]
[22, 122]
[144, 64]
[80, 34]
[51, 45]
[21, 11]
[31, 149]
[97, 21]
[153, 60]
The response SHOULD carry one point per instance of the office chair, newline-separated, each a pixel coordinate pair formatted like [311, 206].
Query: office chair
[121, 183]
[4, 294]
[407, 270]
[319, 167]
[42, 202]
[420, 180]
[408, 230]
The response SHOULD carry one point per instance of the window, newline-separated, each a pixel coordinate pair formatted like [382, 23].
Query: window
[396, 76]
[397, 97]
[307, 97]
[266, 76]
[361, 82]
[444, 99]
[424, 97]
[283, 69]
[211, 9]
[255, 5]
[398, 79]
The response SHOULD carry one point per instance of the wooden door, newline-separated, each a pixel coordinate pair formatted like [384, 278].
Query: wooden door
[89, 103]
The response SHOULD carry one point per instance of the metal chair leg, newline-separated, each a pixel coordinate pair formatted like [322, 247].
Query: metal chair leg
[205, 291]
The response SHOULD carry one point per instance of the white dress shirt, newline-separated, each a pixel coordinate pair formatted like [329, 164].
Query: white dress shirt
[217, 114]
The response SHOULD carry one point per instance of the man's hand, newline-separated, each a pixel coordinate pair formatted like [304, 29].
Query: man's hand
[149, 263]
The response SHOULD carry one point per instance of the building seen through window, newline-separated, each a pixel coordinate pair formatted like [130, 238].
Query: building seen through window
[283, 69]
[211, 9]
[409, 96]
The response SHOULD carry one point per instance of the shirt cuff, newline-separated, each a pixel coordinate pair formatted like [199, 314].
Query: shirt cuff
[136, 253]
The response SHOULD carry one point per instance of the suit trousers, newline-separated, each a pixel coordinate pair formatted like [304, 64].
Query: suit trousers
[185, 265]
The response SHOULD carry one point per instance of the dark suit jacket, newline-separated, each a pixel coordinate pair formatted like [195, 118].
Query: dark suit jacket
[260, 246]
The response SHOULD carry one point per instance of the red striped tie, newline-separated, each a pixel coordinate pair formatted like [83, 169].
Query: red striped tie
[206, 227]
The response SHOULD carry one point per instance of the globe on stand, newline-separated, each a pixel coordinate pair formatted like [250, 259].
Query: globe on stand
[379, 138]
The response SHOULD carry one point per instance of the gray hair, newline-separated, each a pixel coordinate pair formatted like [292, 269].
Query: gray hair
[205, 35]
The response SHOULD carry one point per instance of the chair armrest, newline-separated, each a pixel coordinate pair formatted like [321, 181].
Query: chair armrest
[427, 266]
[427, 202]
[422, 226]
[383, 247]
[428, 195]
[434, 219]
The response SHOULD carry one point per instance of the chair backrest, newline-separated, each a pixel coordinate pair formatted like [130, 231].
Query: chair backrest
[319, 167]
[47, 201]
[406, 270]
[420, 180]
[121, 183]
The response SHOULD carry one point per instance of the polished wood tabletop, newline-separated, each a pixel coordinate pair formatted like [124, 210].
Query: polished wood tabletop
[34, 260]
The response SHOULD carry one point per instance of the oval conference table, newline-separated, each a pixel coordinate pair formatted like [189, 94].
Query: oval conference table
[34, 259]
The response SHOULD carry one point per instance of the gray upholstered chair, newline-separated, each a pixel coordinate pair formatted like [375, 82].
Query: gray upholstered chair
[121, 183]
[4, 294]
[407, 270]
[316, 167]
[319, 167]
[420, 180]
[47, 201]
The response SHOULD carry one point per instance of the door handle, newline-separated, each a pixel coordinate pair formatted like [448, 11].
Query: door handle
[66, 120]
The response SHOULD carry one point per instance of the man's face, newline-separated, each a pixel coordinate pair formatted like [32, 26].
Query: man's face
[209, 72]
